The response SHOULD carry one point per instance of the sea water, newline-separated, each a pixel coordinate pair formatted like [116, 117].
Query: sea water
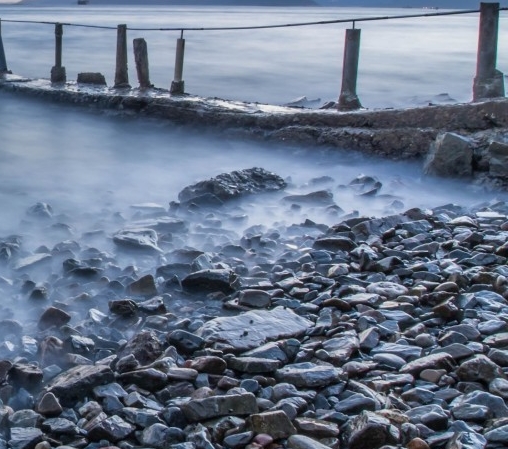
[88, 164]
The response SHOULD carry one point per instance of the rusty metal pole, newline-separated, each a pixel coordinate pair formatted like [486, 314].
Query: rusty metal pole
[178, 85]
[57, 71]
[348, 99]
[3, 63]
[121, 72]
[489, 82]
[141, 59]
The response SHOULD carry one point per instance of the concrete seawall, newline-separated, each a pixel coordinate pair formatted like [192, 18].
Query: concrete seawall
[394, 133]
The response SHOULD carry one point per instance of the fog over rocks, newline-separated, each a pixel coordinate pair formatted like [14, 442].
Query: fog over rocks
[372, 332]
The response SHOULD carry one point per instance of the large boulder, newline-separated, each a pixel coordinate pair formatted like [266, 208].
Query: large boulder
[227, 186]
[450, 155]
[498, 159]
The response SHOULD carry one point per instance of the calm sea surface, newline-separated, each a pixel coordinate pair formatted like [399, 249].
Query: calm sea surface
[90, 165]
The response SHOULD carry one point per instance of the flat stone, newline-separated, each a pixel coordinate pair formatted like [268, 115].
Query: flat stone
[437, 361]
[252, 329]
[217, 406]
[309, 375]
[140, 239]
[210, 280]
[75, 383]
[253, 365]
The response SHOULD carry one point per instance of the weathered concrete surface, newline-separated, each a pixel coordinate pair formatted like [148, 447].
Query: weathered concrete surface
[396, 133]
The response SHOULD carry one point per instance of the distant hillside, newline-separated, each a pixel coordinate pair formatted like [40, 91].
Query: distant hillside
[175, 2]
[443, 4]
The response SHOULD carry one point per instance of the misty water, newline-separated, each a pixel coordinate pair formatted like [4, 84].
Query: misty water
[89, 165]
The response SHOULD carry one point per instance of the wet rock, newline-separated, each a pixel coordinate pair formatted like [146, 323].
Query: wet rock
[274, 423]
[439, 361]
[113, 429]
[24, 437]
[450, 155]
[95, 78]
[227, 186]
[479, 368]
[145, 347]
[309, 375]
[251, 329]
[258, 299]
[144, 286]
[319, 197]
[48, 405]
[150, 379]
[216, 406]
[304, 442]
[211, 281]
[141, 239]
[40, 210]
[498, 158]
[364, 185]
[77, 382]
[369, 431]
[26, 376]
[53, 316]
[160, 436]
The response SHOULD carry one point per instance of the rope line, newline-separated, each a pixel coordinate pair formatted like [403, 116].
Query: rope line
[260, 27]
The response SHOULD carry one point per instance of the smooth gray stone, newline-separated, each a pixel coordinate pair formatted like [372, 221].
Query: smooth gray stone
[403, 351]
[303, 442]
[499, 435]
[217, 406]
[24, 437]
[494, 403]
[309, 375]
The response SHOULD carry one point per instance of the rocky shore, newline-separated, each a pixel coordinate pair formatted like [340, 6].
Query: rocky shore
[185, 327]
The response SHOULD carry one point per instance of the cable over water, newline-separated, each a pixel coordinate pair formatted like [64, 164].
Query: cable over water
[260, 27]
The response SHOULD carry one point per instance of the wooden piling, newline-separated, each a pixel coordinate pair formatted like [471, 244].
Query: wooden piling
[488, 82]
[3, 62]
[348, 99]
[178, 85]
[57, 71]
[141, 59]
[121, 72]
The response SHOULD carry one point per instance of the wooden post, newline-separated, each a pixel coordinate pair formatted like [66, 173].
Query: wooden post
[348, 99]
[57, 71]
[141, 58]
[3, 63]
[489, 82]
[178, 85]
[121, 72]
